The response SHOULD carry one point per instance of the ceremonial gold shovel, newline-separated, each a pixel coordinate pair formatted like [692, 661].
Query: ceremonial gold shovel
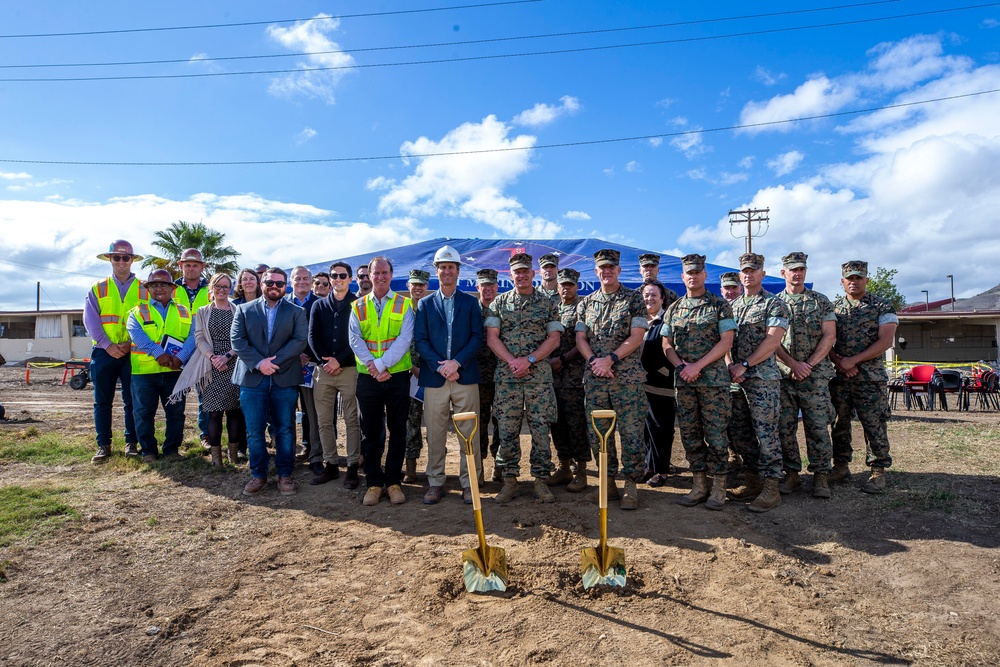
[603, 565]
[485, 568]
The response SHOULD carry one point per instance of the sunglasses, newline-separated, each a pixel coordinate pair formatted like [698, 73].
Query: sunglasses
[274, 283]
[362, 276]
[121, 258]
[343, 276]
[321, 283]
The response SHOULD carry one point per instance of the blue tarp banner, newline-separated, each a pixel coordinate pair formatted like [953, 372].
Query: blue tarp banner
[495, 254]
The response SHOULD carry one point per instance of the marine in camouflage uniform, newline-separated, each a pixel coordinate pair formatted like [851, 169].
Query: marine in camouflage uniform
[486, 285]
[698, 330]
[731, 288]
[866, 326]
[417, 284]
[610, 325]
[548, 266]
[754, 426]
[569, 432]
[523, 327]
[805, 375]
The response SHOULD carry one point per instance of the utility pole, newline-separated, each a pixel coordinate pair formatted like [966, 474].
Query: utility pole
[750, 217]
[38, 297]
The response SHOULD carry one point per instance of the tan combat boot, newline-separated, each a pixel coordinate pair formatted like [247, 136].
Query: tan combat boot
[234, 453]
[768, 499]
[821, 487]
[562, 476]
[790, 483]
[508, 492]
[579, 482]
[717, 498]
[410, 474]
[630, 496]
[699, 491]
[877, 482]
[541, 491]
[749, 490]
[841, 471]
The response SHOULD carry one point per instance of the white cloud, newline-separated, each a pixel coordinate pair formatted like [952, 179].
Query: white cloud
[14, 176]
[785, 163]
[543, 114]
[766, 77]
[576, 215]
[311, 36]
[920, 192]
[816, 96]
[37, 184]
[656, 142]
[665, 103]
[745, 162]
[305, 135]
[608, 171]
[633, 167]
[690, 144]
[262, 230]
[470, 186]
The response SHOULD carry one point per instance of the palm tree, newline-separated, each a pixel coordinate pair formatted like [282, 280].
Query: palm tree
[183, 235]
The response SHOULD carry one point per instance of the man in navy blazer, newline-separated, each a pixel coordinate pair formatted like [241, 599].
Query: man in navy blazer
[268, 335]
[448, 333]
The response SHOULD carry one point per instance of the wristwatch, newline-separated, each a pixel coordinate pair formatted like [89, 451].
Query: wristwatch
[614, 358]
[745, 364]
[531, 359]
[229, 355]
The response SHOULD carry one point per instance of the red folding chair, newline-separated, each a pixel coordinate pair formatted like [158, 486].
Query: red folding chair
[918, 381]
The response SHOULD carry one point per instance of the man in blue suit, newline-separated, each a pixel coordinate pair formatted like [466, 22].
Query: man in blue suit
[448, 333]
[268, 335]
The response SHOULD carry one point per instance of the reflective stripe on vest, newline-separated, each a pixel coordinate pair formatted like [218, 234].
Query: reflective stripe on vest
[378, 336]
[114, 310]
[200, 299]
[177, 325]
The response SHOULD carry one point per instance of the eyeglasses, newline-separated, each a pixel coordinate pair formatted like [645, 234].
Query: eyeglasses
[222, 287]
[274, 283]
[159, 285]
[121, 258]
[321, 283]
[343, 276]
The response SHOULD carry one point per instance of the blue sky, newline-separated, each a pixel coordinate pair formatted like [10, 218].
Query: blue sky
[911, 187]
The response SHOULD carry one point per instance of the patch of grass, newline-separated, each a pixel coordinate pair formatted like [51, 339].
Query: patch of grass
[152, 521]
[24, 510]
[32, 446]
[105, 545]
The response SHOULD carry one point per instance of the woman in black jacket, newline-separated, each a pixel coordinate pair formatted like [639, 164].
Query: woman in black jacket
[659, 387]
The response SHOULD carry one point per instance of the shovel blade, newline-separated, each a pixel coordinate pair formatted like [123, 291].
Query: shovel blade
[482, 575]
[607, 568]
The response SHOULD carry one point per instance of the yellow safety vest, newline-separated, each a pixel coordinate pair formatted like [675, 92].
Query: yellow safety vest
[200, 299]
[177, 325]
[380, 335]
[114, 310]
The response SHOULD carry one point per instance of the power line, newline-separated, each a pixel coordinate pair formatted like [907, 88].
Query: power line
[568, 144]
[303, 70]
[253, 23]
[174, 61]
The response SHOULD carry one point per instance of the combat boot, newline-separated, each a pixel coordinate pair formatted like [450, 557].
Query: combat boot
[233, 453]
[821, 487]
[595, 495]
[541, 491]
[497, 473]
[508, 492]
[216, 452]
[717, 498]
[750, 488]
[579, 482]
[562, 476]
[410, 475]
[790, 483]
[877, 482]
[769, 498]
[841, 471]
[699, 491]
[630, 496]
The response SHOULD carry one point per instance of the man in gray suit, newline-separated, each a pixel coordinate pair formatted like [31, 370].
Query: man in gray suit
[268, 335]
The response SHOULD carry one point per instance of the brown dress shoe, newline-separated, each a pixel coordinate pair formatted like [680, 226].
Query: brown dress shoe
[254, 486]
[433, 495]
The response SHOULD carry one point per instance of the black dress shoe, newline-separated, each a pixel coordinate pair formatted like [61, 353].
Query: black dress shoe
[351, 479]
[323, 473]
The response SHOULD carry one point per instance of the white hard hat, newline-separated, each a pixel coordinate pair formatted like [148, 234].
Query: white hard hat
[447, 254]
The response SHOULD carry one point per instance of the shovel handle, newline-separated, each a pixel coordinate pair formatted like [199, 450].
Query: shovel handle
[463, 417]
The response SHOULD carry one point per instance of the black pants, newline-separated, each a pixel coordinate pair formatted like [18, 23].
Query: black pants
[382, 407]
[659, 432]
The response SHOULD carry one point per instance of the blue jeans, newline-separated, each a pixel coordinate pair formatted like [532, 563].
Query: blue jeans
[105, 372]
[148, 391]
[267, 402]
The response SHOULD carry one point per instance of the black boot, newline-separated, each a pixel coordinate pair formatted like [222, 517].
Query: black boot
[351, 479]
[323, 473]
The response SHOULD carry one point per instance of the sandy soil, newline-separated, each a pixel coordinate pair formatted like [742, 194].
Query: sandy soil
[170, 565]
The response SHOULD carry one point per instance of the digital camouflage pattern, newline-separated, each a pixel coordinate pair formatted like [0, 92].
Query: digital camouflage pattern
[812, 397]
[806, 314]
[569, 431]
[572, 371]
[629, 403]
[523, 321]
[535, 401]
[552, 294]
[414, 437]
[857, 329]
[695, 325]
[487, 368]
[754, 314]
[703, 417]
[754, 426]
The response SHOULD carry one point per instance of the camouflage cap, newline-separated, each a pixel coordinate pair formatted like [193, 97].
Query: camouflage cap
[606, 257]
[693, 262]
[730, 279]
[855, 267]
[521, 260]
[751, 260]
[418, 276]
[794, 260]
[486, 277]
[547, 259]
[649, 259]
[569, 276]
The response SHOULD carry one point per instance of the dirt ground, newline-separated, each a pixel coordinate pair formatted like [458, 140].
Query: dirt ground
[168, 564]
